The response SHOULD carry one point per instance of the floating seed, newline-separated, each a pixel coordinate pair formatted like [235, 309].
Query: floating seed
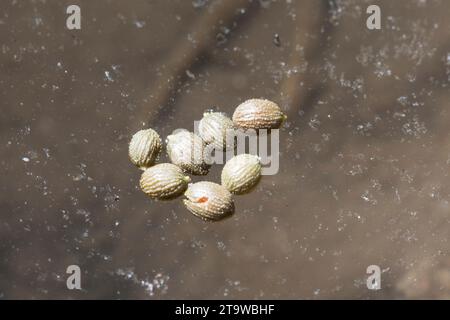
[258, 114]
[187, 150]
[209, 201]
[144, 148]
[213, 129]
[164, 181]
[241, 173]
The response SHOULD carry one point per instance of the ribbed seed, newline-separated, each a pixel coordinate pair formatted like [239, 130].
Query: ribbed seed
[164, 181]
[241, 173]
[187, 150]
[144, 148]
[213, 129]
[258, 114]
[209, 201]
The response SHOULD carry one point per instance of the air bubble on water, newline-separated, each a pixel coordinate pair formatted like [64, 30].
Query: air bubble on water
[242, 10]
[340, 8]
[221, 38]
[65, 214]
[198, 244]
[221, 246]
[265, 3]
[397, 196]
[192, 39]
[398, 115]
[368, 197]
[275, 223]
[414, 128]
[139, 24]
[314, 122]
[108, 76]
[84, 213]
[365, 128]
[41, 184]
[25, 131]
[82, 174]
[115, 68]
[106, 257]
[356, 169]
[157, 285]
[199, 3]
[38, 21]
[403, 100]
[382, 70]
[234, 285]
[190, 74]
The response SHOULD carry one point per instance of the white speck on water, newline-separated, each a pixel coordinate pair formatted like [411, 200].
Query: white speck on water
[38, 21]
[139, 24]
[403, 100]
[366, 196]
[190, 74]
[314, 123]
[414, 128]
[26, 159]
[265, 3]
[199, 3]
[108, 76]
[156, 285]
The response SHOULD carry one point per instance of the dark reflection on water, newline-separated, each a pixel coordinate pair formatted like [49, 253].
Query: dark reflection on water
[364, 154]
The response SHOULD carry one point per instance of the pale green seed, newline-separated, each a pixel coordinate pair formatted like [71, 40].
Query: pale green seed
[209, 201]
[241, 173]
[187, 150]
[144, 148]
[164, 181]
[214, 127]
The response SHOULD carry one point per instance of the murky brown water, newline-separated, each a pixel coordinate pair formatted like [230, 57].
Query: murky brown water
[364, 158]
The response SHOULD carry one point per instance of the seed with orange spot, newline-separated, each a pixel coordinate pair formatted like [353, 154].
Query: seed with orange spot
[209, 201]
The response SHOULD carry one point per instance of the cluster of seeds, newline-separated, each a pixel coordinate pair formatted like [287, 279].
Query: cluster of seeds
[207, 200]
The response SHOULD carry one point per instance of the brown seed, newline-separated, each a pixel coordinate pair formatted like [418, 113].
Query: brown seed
[258, 114]
[144, 148]
[209, 201]
[214, 127]
[241, 173]
[187, 150]
[164, 181]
